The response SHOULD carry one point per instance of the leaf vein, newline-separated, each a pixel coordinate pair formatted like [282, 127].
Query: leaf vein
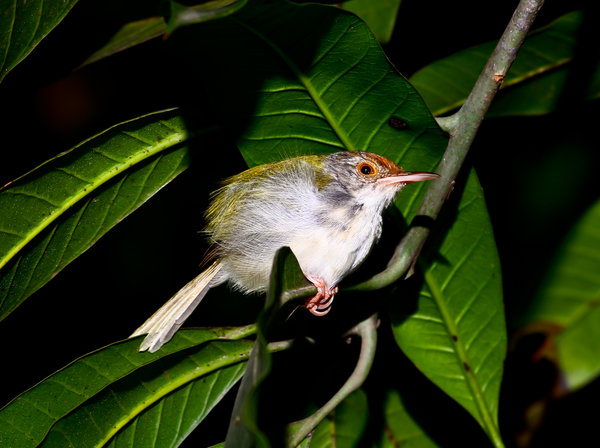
[22, 431]
[472, 299]
[338, 76]
[326, 51]
[293, 137]
[481, 327]
[106, 156]
[33, 269]
[75, 175]
[107, 210]
[31, 195]
[460, 263]
[286, 113]
[11, 281]
[10, 232]
[355, 101]
[65, 246]
[138, 138]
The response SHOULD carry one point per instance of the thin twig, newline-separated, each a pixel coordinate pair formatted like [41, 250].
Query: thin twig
[463, 127]
[367, 330]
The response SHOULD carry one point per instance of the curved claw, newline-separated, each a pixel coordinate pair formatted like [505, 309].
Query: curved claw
[320, 304]
[318, 312]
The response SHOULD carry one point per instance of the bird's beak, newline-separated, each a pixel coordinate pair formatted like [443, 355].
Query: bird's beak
[407, 178]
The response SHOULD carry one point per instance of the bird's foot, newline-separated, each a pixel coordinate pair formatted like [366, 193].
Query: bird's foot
[320, 304]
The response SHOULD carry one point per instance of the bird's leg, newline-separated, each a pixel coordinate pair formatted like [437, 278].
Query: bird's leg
[320, 304]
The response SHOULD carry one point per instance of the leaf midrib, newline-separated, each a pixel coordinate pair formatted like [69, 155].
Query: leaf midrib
[463, 359]
[143, 154]
[228, 360]
[337, 128]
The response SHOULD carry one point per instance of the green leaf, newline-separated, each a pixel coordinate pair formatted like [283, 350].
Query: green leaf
[336, 91]
[182, 15]
[344, 427]
[23, 24]
[568, 302]
[400, 427]
[170, 420]
[445, 84]
[116, 385]
[130, 35]
[456, 336]
[380, 15]
[57, 211]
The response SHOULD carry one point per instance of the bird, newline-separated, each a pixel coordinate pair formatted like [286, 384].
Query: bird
[326, 208]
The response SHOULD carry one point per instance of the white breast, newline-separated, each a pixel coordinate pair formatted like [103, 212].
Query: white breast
[331, 253]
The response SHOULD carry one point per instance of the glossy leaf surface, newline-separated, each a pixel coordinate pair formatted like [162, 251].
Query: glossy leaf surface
[456, 336]
[95, 397]
[380, 15]
[568, 302]
[336, 91]
[23, 24]
[169, 421]
[54, 213]
[445, 84]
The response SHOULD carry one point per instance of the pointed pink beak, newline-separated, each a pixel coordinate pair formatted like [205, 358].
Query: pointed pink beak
[407, 178]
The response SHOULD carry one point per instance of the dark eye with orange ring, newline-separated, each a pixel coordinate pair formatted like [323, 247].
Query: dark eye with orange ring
[367, 169]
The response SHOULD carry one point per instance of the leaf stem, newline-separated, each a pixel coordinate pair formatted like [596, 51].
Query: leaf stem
[367, 330]
[463, 127]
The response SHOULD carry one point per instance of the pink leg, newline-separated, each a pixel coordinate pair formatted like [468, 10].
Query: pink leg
[320, 304]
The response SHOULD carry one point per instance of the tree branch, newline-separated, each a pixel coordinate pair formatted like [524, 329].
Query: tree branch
[463, 127]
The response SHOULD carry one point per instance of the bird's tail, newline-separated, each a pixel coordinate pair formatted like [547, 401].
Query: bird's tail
[163, 324]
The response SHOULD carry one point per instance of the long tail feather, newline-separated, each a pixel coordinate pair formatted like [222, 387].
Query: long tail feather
[163, 324]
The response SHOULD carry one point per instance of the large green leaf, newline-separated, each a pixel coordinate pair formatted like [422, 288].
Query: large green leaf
[533, 84]
[118, 385]
[568, 302]
[457, 334]
[338, 91]
[171, 419]
[23, 24]
[54, 213]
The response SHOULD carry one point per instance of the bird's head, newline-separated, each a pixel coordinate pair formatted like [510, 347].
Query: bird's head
[371, 180]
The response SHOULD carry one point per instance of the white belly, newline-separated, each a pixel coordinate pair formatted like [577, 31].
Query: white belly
[330, 253]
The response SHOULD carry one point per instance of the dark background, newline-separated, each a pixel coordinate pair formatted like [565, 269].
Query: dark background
[539, 174]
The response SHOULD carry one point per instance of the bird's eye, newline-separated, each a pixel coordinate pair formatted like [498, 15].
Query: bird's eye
[367, 169]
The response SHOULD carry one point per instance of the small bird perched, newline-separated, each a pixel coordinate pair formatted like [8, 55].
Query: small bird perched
[326, 208]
